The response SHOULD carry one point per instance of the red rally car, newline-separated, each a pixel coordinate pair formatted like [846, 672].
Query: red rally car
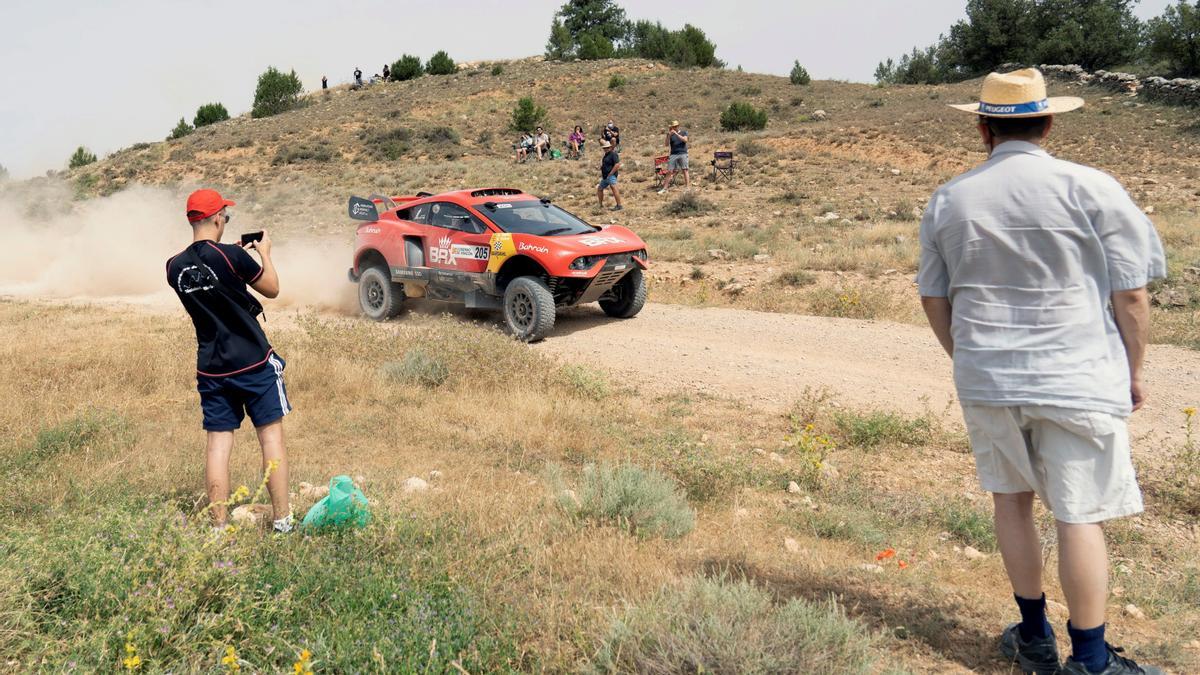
[493, 248]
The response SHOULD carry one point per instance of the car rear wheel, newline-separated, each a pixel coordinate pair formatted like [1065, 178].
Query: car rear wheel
[628, 296]
[378, 296]
[528, 309]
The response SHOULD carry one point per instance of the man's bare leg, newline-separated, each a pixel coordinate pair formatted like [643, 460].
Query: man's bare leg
[1017, 536]
[687, 180]
[216, 473]
[270, 437]
[1083, 571]
[616, 195]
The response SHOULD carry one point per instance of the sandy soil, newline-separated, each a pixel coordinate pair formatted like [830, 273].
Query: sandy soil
[770, 359]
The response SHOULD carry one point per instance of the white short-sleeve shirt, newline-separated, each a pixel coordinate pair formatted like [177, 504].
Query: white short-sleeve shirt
[1028, 249]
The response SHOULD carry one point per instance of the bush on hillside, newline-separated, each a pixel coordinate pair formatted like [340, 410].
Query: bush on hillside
[642, 501]
[497, 70]
[718, 625]
[527, 116]
[1174, 39]
[276, 93]
[210, 113]
[82, 157]
[182, 129]
[685, 48]
[407, 67]
[593, 46]
[799, 75]
[741, 116]
[617, 81]
[441, 64]
[387, 145]
[441, 135]
[560, 46]
[598, 29]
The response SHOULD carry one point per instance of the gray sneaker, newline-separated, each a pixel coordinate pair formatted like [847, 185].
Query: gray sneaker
[1039, 655]
[1117, 665]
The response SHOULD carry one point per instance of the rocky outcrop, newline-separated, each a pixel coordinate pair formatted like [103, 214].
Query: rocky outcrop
[1178, 91]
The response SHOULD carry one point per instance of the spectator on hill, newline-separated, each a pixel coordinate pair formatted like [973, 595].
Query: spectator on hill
[541, 143]
[610, 166]
[358, 76]
[324, 82]
[237, 371]
[387, 72]
[677, 141]
[576, 141]
[1033, 274]
[523, 146]
[612, 134]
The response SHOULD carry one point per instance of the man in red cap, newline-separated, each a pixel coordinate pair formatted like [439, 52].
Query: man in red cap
[237, 371]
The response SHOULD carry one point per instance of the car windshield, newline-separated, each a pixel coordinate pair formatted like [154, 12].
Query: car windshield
[534, 217]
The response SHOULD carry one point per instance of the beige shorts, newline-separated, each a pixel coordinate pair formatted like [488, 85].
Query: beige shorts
[1077, 461]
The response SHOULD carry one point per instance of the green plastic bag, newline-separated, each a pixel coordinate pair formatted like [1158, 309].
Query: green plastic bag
[555, 154]
[345, 505]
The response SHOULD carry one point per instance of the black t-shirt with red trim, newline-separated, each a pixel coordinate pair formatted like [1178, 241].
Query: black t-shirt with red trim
[210, 280]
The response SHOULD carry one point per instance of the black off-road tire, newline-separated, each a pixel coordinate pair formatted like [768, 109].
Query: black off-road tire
[630, 294]
[378, 296]
[528, 309]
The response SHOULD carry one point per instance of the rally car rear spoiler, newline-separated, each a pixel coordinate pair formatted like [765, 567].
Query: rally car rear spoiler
[368, 208]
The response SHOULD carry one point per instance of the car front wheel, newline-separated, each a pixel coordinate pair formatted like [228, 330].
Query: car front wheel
[378, 296]
[628, 296]
[528, 309]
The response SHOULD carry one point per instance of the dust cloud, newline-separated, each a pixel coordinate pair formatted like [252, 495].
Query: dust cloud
[115, 249]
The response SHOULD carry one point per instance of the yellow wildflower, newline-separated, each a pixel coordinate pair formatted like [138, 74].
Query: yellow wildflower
[1189, 411]
[302, 667]
[132, 662]
[230, 660]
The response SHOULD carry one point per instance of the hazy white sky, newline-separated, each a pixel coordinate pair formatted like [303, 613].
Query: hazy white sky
[109, 73]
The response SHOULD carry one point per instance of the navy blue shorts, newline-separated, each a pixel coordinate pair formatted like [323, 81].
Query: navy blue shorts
[259, 392]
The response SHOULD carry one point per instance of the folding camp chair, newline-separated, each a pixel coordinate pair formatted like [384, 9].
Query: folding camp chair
[723, 165]
[660, 171]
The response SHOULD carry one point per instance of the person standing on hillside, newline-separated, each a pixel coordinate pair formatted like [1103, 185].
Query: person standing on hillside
[387, 72]
[612, 134]
[237, 371]
[1033, 275]
[610, 165]
[324, 82]
[677, 141]
[357, 76]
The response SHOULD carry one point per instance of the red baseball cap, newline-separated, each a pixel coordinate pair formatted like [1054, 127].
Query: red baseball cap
[202, 204]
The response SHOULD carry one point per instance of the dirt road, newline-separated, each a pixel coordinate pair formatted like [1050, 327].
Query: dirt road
[771, 358]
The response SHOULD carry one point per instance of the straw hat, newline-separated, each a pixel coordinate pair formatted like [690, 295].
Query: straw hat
[1021, 93]
[605, 144]
[674, 123]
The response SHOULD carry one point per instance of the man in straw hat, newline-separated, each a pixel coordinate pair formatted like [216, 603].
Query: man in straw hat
[1033, 276]
[677, 161]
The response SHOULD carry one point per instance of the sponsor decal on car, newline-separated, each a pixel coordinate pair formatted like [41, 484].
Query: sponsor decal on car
[448, 253]
[371, 230]
[600, 241]
[502, 249]
[532, 247]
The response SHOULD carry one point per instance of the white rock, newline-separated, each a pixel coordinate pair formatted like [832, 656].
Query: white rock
[742, 512]
[794, 488]
[972, 553]
[871, 567]
[759, 451]
[1132, 610]
[761, 257]
[414, 484]
[820, 115]
[775, 457]
[435, 475]
[895, 172]
[791, 545]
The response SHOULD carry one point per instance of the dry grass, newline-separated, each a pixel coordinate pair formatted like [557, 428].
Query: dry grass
[101, 426]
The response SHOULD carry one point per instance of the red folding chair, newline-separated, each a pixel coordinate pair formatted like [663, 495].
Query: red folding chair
[660, 171]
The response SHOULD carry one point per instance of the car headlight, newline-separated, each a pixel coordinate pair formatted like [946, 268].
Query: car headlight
[641, 254]
[586, 262]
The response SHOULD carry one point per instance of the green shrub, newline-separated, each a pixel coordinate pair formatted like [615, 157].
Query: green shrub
[593, 45]
[418, 368]
[497, 70]
[741, 116]
[588, 383]
[210, 113]
[276, 93]
[387, 145]
[527, 116]
[724, 626]
[687, 205]
[305, 152]
[748, 147]
[875, 428]
[641, 501]
[799, 75]
[441, 64]
[82, 157]
[685, 48]
[616, 81]
[797, 276]
[967, 524]
[442, 135]
[1174, 38]
[407, 67]
[182, 129]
